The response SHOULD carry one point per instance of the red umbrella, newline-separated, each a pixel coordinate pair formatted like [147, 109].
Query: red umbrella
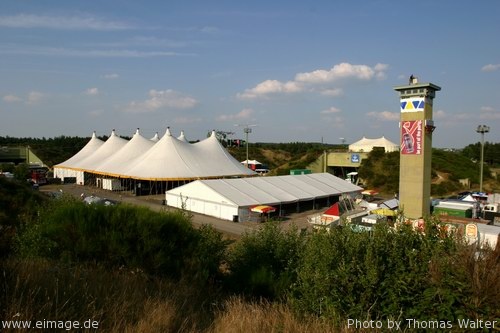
[370, 192]
[262, 209]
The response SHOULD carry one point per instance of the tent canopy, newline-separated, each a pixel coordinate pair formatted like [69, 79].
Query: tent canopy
[367, 145]
[271, 191]
[167, 159]
[263, 209]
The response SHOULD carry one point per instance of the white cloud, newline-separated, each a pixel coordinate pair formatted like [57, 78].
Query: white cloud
[111, 76]
[163, 99]
[490, 68]
[337, 121]
[95, 113]
[331, 110]
[92, 92]
[335, 92]
[61, 22]
[381, 67]
[187, 120]
[464, 116]
[440, 114]
[34, 97]
[384, 115]
[316, 78]
[271, 87]
[143, 41]
[490, 116]
[209, 30]
[11, 99]
[489, 113]
[487, 109]
[341, 71]
[109, 53]
[243, 114]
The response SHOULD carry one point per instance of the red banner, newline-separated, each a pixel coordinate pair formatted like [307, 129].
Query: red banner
[411, 137]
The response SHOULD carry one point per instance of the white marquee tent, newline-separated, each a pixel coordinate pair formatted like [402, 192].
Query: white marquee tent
[140, 159]
[366, 145]
[232, 199]
[65, 169]
[112, 145]
[173, 159]
[117, 164]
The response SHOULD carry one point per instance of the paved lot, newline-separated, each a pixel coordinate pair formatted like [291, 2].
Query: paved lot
[154, 202]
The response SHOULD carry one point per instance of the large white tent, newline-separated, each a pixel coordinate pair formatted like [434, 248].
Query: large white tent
[173, 159]
[66, 168]
[232, 199]
[118, 163]
[367, 145]
[112, 145]
[140, 160]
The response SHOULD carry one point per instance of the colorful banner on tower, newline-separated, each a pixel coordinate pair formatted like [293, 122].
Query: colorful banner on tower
[411, 137]
[415, 104]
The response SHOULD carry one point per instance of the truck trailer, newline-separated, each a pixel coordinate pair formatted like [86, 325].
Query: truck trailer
[440, 210]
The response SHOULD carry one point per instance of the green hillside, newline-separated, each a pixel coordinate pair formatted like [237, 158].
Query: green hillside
[381, 171]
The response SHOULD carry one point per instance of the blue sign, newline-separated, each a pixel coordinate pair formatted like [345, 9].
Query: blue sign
[355, 158]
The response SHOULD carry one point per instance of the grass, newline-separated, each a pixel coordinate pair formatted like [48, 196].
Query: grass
[122, 300]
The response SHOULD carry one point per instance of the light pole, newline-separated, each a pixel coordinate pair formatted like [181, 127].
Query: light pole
[246, 130]
[482, 129]
[343, 142]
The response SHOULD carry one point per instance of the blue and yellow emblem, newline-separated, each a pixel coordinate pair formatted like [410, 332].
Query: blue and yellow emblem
[413, 105]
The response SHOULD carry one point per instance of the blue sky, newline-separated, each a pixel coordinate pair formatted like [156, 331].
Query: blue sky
[298, 70]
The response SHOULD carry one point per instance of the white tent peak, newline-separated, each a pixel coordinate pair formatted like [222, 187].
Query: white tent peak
[182, 137]
[137, 131]
[91, 146]
[155, 138]
[104, 152]
[118, 163]
[113, 132]
[213, 133]
[167, 132]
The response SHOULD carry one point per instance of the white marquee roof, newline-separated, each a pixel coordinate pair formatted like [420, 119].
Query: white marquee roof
[120, 161]
[169, 158]
[110, 147]
[173, 159]
[85, 152]
[274, 190]
[366, 145]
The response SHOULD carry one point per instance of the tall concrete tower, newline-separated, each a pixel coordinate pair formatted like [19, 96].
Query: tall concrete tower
[416, 128]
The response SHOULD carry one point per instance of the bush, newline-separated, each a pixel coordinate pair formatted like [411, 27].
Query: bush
[264, 262]
[209, 253]
[384, 274]
[159, 243]
[19, 205]
[445, 188]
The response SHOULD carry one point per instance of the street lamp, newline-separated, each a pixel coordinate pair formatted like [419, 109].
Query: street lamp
[246, 130]
[482, 129]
